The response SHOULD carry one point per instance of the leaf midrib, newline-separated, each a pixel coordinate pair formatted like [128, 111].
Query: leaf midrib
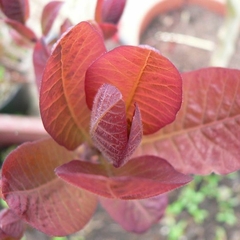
[80, 129]
[136, 83]
[162, 136]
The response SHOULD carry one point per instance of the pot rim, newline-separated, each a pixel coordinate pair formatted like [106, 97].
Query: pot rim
[133, 23]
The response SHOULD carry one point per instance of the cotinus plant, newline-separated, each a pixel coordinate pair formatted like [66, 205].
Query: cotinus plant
[103, 102]
[106, 113]
[96, 106]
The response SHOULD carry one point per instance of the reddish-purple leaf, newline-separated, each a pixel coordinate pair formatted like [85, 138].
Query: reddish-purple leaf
[135, 135]
[1, 196]
[10, 225]
[143, 76]
[17, 10]
[23, 30]
[109, 11]
[109, 130]
[136, 215]
[108, 123]
[141, 177]
[63, 107]
[108, 29]
[205, 137]
[65, 26]
[37, 195]
[49, 14]
[41, 54]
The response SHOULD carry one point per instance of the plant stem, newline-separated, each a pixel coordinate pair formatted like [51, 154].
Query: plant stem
[18, 129]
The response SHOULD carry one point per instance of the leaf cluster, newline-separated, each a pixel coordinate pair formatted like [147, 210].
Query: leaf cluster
[125, 127]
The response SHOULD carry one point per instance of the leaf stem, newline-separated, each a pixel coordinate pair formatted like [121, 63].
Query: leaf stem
[106, 165]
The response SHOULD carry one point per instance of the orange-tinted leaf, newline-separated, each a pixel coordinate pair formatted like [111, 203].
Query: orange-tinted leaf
[49, 14]
[144, 77]
[109, 126]
[109, 11]
[38, 196]
[17, 10]
[63, 107]
[10, 225]
[141, 177]
[22, 30]
[41, 54]
[136, 215]
[205, 137]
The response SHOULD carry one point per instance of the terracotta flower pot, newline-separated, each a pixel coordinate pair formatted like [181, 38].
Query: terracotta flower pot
[134, 22]
[188, 45]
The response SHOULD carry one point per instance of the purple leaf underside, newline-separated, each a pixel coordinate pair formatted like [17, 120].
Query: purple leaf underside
[109, 128]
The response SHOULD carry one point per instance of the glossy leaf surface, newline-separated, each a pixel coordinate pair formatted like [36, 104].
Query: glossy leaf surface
[63, 107]
[109, 129]
[205, 137]
[41, 54]
[49, 14]
[134, 180]
[143, 76]
[109, 11]
[17, 10]
[23, 30]
[11, 225]
[37, 195]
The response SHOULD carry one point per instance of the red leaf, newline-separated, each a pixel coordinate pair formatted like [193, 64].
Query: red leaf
[205, 136]
[63, 107]
[10, 225]
[17, 10]
[66, 25]
[108, 29]
[1, 196]
[109, 126]
[136, 215]
[22, 30]
[141, 177]
[109, 11]
[144, 77]
[41, 54]
[49, 14]
[135, 135]
[34, 192]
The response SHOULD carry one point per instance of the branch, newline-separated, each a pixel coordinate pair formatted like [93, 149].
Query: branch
[18, 129]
